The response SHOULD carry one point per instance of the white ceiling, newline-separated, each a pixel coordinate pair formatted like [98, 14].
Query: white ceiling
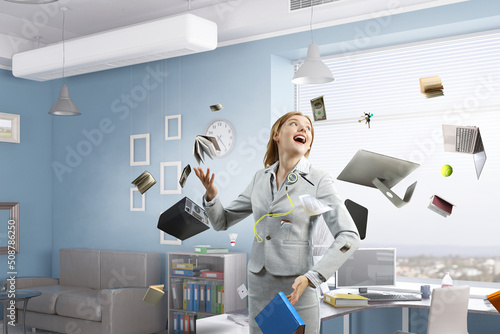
[24, 27]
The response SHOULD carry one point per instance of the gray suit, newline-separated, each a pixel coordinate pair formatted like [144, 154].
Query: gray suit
[286, 250]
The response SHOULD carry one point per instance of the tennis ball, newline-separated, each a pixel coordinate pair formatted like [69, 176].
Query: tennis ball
[446, 170]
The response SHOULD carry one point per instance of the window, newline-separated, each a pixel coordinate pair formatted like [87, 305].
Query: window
[407, 125]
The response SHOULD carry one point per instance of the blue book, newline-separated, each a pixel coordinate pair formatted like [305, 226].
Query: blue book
[208, 295]
[181, 323]
[175, 324]
[279, 316]
[189, 287]
[196, 297]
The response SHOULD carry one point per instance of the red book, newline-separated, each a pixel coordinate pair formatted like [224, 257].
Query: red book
[440, 206]
[213, 274]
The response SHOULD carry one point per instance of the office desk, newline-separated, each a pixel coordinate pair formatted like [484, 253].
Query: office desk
[327, 311]
[219, 324]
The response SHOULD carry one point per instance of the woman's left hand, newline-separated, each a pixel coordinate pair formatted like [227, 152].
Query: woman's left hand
[300, 284]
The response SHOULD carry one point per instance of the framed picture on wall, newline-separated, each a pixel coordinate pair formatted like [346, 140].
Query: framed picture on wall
[10, 128]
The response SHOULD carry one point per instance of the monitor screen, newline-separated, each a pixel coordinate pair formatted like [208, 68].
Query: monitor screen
[368, 267]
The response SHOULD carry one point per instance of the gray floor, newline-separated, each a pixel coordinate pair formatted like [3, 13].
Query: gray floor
[18, 329]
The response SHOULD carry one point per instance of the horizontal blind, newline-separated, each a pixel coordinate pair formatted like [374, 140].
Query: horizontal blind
[407, 125]
[387, 82]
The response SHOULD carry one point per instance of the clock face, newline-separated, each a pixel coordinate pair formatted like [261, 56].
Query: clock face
[223, 131]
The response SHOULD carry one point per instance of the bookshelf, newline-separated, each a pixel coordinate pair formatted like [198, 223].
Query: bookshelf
[232, 265]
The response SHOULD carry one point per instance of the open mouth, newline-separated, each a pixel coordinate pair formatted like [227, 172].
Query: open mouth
[300, 138]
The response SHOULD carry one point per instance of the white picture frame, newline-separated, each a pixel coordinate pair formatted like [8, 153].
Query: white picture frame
[133, 138]
[177, 190]
[10, 128]
[167, 120]
[164, 241]
[143, 206]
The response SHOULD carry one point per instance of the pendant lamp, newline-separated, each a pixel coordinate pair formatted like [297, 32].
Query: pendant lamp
[64, 106]
[313, 70]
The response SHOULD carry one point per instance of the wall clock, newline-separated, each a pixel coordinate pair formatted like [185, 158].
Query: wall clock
[224, 132]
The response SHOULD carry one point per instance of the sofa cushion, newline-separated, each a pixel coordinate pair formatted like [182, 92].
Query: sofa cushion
[84, 305]
[80, 267]
[46, 302]
[129, 269]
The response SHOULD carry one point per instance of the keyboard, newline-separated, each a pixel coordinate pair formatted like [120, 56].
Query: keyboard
[465, 140]
[391, 297]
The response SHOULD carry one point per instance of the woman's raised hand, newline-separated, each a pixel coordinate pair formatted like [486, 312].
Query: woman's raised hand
[208, 182]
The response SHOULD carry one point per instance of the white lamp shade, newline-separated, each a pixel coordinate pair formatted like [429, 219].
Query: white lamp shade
[64, 106]
[313, 70]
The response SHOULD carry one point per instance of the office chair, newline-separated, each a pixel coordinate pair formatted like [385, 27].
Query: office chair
[448, 311]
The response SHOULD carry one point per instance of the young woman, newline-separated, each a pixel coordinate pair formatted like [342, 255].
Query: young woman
[281, 257]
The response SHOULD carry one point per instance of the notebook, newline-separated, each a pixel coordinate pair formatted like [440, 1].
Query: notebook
[465, 139]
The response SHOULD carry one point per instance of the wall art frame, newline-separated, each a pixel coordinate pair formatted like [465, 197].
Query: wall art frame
[12, 228]
[10, 128]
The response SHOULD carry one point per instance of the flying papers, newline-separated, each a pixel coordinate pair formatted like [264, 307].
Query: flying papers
[205, 145]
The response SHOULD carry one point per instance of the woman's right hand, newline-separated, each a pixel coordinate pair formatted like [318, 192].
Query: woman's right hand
[208, 182]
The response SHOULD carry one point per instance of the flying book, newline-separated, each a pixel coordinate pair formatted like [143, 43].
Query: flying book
[494, 299]
[154, 294]
[344, 299]
[205, 145]
[205, 249]
[431, 86]
[279, 316]
[440, 206]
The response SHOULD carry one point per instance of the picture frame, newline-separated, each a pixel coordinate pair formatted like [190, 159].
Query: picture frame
[146, 150]
[10, 128]
[177, 118]
[143, 201]
[163, 178]
[13, 227]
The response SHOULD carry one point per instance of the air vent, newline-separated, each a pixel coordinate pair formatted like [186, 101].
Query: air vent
[301, 4]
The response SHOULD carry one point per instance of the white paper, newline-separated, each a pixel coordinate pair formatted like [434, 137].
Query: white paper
[313, 206]
[242, 291]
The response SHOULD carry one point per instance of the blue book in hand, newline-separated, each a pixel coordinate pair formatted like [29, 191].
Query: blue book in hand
[279, 316]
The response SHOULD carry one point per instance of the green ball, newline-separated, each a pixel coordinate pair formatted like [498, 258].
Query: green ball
[446, 170]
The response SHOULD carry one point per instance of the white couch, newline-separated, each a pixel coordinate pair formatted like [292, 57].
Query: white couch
[98, 291]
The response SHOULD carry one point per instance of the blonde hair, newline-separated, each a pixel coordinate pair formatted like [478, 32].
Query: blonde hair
[272, 154]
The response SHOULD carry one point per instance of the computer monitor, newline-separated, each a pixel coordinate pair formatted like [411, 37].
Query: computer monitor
[380, 171]
[368, 268]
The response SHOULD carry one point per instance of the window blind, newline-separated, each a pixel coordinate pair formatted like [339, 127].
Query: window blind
[407, 125]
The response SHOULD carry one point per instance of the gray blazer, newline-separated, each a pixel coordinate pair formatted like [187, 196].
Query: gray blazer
[287, 250]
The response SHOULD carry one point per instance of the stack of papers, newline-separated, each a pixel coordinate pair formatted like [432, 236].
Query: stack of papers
[205, 145]
[344, 299]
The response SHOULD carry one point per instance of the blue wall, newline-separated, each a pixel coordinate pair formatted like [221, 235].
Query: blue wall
[25, 174]
[72, 174]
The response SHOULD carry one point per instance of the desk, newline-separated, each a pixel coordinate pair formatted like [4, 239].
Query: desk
[219, 324]
[476, 305]
[20, 295]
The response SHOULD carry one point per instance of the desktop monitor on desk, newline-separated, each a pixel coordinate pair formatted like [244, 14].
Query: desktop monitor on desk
[368, 268]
